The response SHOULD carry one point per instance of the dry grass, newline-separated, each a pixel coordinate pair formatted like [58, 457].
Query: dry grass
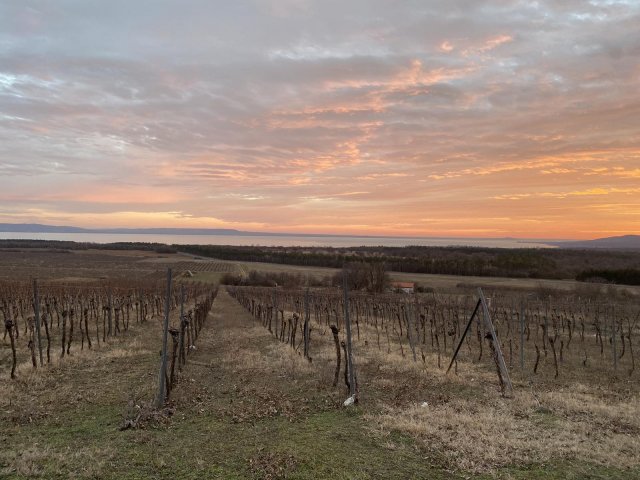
[107, 373]
[479, 435]
[464, 418]
[29, 462]
[586, 417]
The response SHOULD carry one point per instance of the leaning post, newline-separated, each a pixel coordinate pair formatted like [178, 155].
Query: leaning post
[502, 366]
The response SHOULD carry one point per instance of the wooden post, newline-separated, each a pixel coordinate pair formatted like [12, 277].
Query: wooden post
[410, 331]
[10, 327]
[336, 340]
[522, 335]
[181, 334]
[545, 334]
[347, 320]
[36, 311]
[110, 301]
[307, 317]
[417, 322]
[275, 311]
[160, 399]
[142, 319]
[613, 338]
[496, 343]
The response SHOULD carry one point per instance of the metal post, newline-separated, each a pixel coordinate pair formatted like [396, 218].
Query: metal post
[347, 320]
[36, 311]
[160, 399]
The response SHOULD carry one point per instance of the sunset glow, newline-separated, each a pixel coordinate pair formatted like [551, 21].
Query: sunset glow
[468, 119]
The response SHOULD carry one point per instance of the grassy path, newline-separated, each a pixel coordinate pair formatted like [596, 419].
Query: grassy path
[269, 416]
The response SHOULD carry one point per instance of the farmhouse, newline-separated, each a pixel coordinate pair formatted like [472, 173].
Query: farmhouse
[405, 287]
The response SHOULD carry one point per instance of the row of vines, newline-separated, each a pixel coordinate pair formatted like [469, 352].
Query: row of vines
[45, 321]
[551, 336]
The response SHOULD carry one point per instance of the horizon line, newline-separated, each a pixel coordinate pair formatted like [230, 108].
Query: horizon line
[234, 231]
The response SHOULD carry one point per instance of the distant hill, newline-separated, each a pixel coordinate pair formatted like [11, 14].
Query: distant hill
[39, 228]
[625, 242]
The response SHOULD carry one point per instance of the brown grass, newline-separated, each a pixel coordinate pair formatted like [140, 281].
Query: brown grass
[480, 434]
[585, 416]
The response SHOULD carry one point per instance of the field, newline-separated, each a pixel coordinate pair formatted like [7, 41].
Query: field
[247, 405]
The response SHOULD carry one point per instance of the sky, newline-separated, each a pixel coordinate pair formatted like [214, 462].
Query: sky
[413, 118]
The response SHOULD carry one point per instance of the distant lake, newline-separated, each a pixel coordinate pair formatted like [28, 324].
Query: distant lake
[277, 240]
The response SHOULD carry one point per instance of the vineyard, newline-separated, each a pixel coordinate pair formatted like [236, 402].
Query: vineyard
[572, 363]
[217, 267]
[43, 323]
[88, 299]
[270, 369]
[556, 337]
[192, 269]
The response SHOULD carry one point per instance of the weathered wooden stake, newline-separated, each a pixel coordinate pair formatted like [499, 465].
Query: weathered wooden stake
[350, 362]
[307, 317]
[36, 310]
[109, 312]
[336, 340]
[275, 311]
[613, 338]
[9, 327]
[496, 343]
[160, 399]
[181, 334]
[410, 332]
[522, 335]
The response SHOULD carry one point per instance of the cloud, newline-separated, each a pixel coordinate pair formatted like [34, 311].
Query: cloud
[418, 106]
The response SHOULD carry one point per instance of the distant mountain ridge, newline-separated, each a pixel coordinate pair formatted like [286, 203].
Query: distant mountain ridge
[40, 228]
[624, 242]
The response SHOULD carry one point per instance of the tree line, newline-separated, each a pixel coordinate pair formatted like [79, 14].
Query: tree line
[465, 261]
